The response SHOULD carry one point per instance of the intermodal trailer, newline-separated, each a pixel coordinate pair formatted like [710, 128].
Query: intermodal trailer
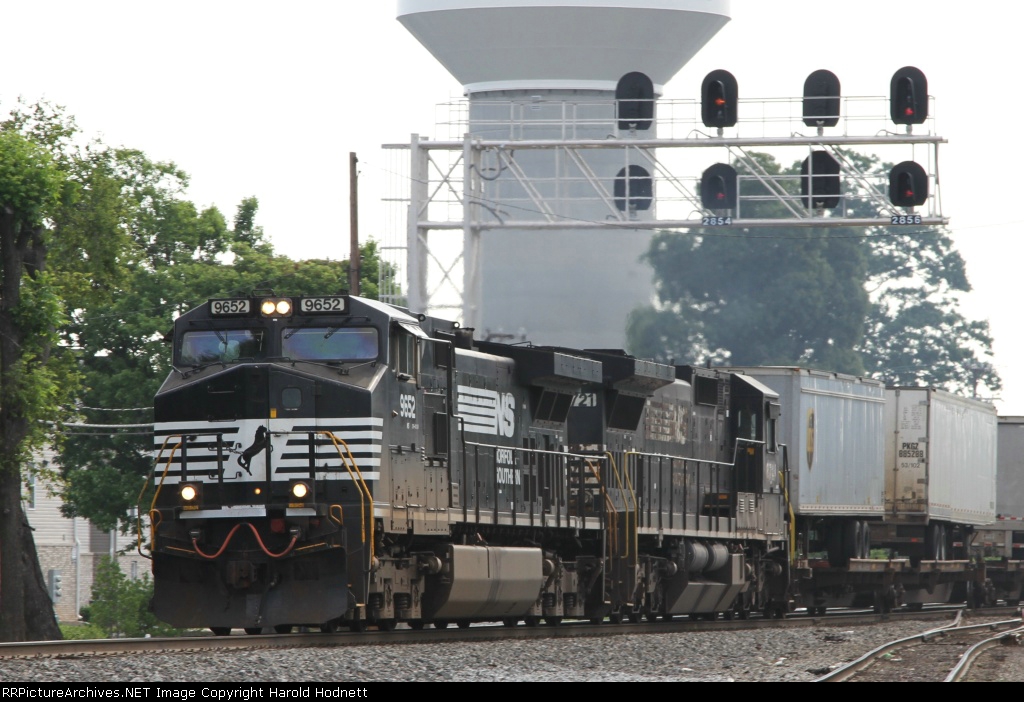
[832, 425]
[940, 480]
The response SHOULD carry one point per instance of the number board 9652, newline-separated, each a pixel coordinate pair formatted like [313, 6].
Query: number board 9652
[322, 305]
[229, 307]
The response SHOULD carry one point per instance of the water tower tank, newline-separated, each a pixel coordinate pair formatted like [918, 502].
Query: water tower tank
[526, 65]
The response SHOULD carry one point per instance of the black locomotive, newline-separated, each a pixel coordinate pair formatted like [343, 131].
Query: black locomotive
[339, 462]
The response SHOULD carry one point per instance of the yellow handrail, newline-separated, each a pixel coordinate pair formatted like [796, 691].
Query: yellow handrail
[613, 516]
[349, 462]
[364, 491]
[629, 490]
[632, 496]
[163, 476]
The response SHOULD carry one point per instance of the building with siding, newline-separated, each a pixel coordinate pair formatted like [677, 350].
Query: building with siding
[72, 547]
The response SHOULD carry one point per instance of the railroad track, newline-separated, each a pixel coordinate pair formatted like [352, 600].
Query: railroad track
[109, 647]
[944, 654]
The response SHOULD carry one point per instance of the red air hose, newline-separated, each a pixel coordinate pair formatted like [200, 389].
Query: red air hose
[259, 540]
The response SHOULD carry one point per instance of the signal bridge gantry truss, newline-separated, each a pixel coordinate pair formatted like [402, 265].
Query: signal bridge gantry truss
[535, 164]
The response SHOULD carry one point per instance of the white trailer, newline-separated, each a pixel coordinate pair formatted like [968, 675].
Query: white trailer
[940, 483]
[833, 427]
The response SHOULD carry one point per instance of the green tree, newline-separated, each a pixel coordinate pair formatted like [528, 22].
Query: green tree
[125, 357]
[32, 384]
[120, 607]
[882, 301]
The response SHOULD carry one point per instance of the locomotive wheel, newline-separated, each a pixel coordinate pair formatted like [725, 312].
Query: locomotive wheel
[667, 617]
[463, 623]
[330, 628]
[615, 618]
[221, 630]
[357, 626]
[510, 622]
[652, 617]
[634, 617]
[441, 624]
[387, 624]
[416, 625]
[283, 629]
[552, 621]
[531, 621]
[253, 630]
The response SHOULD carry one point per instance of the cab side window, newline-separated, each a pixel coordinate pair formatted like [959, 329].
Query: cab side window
[773, 412]
[404, 357]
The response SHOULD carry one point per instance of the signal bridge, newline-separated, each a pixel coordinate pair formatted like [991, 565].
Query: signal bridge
[631, 162]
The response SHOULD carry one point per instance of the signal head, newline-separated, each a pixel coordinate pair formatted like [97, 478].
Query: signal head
[908, 96]
[908, 184]
[719, 95]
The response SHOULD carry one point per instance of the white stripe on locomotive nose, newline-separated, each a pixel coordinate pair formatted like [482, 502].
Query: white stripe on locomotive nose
[362, 441]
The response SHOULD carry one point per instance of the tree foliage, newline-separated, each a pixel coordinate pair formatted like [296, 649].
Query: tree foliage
[120, 606]
[882, 302]
[125, 355]
[99, 250]
[34, 382]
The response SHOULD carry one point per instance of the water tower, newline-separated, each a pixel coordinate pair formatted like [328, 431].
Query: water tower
[540, 71]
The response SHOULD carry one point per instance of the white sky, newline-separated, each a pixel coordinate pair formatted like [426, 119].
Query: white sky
[263, 98]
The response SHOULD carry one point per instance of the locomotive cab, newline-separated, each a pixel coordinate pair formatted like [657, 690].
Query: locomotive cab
[269, 431]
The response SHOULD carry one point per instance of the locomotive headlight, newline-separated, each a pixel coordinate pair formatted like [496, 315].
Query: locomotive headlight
[191, 495]
[300, 490]
[276, 307]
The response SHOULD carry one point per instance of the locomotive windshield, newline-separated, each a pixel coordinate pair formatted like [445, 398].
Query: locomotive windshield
[330, 343]
[220, 345]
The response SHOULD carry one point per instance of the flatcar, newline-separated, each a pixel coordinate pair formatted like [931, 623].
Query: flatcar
[333, 461]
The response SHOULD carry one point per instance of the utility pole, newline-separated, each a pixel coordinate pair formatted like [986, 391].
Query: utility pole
[353, 246]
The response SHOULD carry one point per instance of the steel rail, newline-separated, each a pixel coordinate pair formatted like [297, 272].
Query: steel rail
[963, 666]
[844, 673]
[566, 629]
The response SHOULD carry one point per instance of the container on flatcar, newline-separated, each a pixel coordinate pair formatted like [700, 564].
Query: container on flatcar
[1010, 477]
[832, 425]
[940, 457]
[1004, 538]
